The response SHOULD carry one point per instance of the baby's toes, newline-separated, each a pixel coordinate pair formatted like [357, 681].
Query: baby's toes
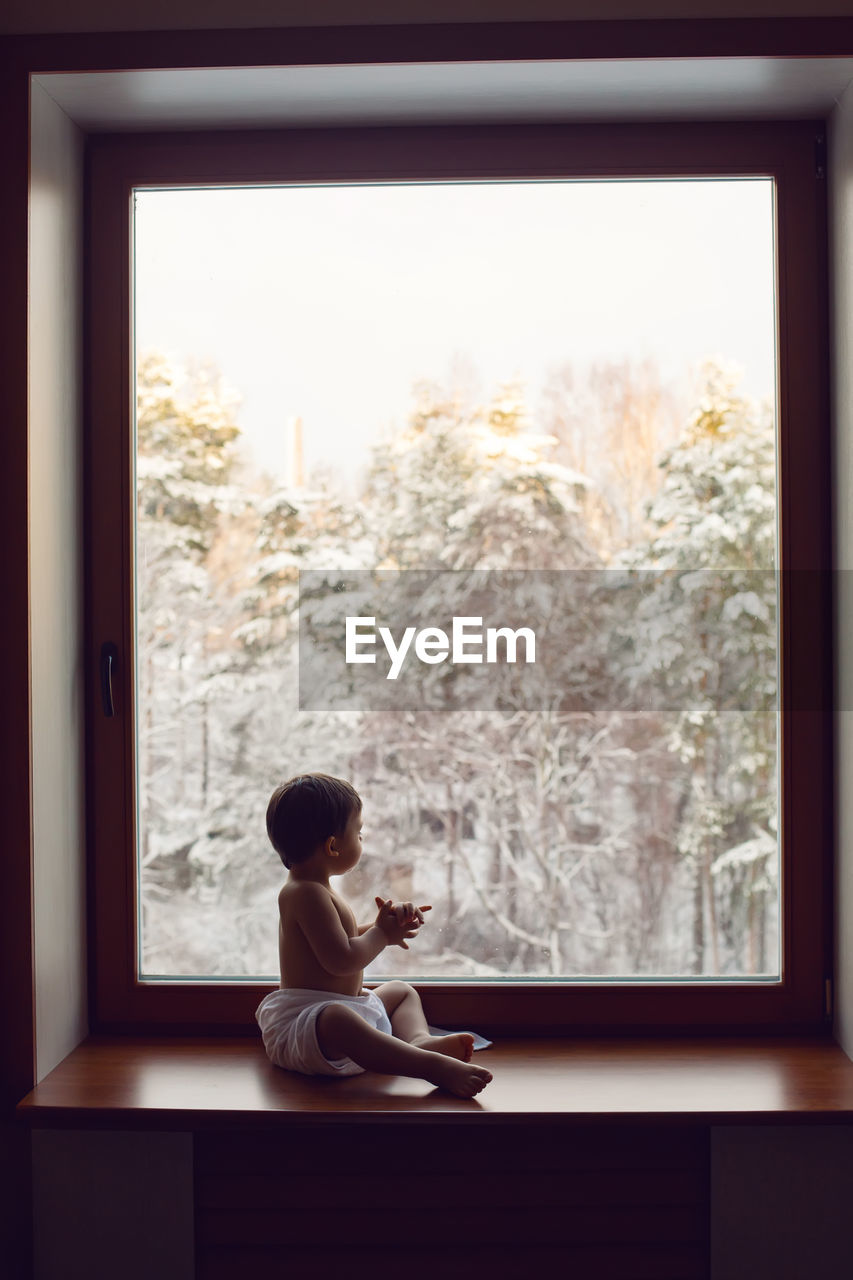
[477, 1080]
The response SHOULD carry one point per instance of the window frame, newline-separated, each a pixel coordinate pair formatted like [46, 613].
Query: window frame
[785, 151]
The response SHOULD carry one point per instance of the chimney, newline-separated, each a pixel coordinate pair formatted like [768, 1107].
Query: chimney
[295, 464]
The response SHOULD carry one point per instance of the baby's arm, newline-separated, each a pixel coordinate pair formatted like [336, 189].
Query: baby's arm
[339, 954]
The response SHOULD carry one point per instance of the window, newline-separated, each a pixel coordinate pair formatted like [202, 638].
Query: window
[783, 154]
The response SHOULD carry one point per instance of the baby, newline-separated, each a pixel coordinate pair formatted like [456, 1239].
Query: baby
[321, 1021]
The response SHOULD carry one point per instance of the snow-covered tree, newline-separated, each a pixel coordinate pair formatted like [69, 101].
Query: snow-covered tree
[473, 487]
[703, 642]
[498, 806]
[612, 420]
[186, 451]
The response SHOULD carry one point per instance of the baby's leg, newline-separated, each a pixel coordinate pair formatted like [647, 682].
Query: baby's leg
[408, 1022]
[342, 1033]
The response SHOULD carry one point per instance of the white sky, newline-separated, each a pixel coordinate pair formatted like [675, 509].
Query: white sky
[331, 302]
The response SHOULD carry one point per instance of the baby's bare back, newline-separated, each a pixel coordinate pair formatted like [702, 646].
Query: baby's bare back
[299, 965]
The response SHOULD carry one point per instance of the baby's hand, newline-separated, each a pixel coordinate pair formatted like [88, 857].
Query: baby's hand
[400, 922]
[408, 913]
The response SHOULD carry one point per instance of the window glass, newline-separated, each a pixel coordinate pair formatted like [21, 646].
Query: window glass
[546, 405]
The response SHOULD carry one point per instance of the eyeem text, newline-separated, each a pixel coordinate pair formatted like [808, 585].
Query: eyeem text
[465, 643]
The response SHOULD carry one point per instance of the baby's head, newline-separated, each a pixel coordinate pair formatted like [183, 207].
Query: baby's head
[304, 811]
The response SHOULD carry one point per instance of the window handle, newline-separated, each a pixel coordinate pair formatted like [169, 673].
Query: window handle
[109, 658]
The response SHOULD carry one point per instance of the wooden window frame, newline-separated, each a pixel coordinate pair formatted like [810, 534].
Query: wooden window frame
[784, 151]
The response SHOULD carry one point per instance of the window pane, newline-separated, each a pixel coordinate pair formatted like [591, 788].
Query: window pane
[570, 385]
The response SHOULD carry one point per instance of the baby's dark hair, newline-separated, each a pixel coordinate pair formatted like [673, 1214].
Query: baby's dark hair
[304, 811]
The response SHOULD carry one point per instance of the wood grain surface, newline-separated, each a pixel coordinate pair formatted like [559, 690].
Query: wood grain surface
[212, 1083]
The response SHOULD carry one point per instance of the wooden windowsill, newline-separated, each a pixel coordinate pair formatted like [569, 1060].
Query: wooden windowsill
[183, 1083]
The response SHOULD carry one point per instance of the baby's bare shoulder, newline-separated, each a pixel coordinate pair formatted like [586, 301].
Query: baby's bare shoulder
[297, 894]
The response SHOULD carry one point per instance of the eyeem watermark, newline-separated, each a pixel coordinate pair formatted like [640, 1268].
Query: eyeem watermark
[411, 640]
[433, 645]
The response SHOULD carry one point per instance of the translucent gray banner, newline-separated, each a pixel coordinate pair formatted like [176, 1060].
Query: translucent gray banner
[574, 640]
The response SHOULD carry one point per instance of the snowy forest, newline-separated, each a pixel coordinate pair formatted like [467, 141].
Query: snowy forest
[630, 833]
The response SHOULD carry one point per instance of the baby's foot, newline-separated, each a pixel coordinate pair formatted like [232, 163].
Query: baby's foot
[458, 1045]
[457, 1077]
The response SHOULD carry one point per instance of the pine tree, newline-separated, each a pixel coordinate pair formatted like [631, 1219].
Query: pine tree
[704, 649]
